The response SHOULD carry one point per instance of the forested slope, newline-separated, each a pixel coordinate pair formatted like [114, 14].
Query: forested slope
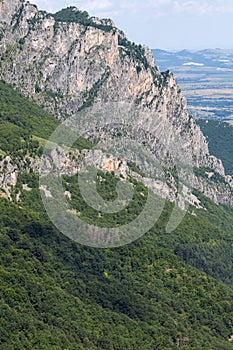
[159, 291]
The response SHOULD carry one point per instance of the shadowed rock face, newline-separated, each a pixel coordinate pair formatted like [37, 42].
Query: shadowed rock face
[70, 65]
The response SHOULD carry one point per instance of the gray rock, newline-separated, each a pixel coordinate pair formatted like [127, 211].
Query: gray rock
[69, 66]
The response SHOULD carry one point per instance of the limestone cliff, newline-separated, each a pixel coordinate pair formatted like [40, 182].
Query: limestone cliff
[70, 65]
[68, 61]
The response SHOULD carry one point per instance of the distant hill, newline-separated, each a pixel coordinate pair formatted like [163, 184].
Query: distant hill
[210, 58]
[206, 79]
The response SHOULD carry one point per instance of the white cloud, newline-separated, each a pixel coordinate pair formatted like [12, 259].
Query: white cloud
[47, 5]
[224, 9]
[158, 3]
[106, 14]
[90, 5]
[93, 5]
[199, 7]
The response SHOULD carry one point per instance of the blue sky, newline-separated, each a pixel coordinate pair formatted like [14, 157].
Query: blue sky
[165, 24]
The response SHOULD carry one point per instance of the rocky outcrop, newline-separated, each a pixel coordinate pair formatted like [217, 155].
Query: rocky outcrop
[71, 65]
[70, 61]
[8, 177]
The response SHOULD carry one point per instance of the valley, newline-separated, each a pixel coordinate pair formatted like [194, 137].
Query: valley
[206, 79]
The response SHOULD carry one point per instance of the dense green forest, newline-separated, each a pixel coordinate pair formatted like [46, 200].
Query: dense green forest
[159, 291]
[220, 136]
[71, 14]
[25, 126]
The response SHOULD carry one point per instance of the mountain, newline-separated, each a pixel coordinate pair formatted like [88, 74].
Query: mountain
[69, 65]
[160, 292]
[166, 290]
[210, 57]
[69, 61]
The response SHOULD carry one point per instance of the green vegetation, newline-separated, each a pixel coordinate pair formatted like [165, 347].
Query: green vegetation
[106, 185]
[23, 123]
[57, 294]
[133, 167]
[12, 136]
[71, 14]
[204, 172]
[220, 136]
[135, 52]
[24, 113]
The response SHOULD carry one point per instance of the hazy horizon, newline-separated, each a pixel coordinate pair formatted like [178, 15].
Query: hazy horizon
[192, 50]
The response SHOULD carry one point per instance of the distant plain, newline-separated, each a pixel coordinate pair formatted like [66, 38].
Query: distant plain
[206, 79]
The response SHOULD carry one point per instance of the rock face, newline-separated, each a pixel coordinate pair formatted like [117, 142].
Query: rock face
[68, 65]
[8, 177]
[70, 61]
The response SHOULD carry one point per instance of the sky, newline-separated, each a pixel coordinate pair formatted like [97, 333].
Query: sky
[162, 24]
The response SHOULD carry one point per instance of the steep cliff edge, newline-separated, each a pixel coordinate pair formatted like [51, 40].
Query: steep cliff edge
[70, 61]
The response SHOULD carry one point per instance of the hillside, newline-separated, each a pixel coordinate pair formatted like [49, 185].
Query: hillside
[165, 290]
[57, 294]
[219, 136]
[68, 62]
[72, 61]
[151, 294]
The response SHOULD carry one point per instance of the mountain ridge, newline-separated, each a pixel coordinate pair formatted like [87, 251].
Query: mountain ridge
[164, 290]
[67, 66]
